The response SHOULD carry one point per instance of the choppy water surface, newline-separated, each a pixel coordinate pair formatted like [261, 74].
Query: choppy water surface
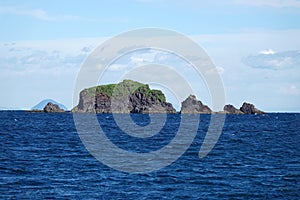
[256, 157]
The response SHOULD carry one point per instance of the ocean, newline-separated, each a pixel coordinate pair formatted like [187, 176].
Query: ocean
[256, 157]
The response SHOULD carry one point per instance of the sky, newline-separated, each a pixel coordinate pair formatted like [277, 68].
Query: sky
[255, 46]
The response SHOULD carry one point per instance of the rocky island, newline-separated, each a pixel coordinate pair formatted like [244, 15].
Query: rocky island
[193, 106]
[247, 108]
[133, 97]
[52, 108]
[125, 97]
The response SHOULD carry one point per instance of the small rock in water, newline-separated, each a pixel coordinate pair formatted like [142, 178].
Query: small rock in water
[248, 108]
[193, 106]
[52, 108]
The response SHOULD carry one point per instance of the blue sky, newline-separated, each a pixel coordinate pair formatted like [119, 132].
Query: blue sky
[254, 44]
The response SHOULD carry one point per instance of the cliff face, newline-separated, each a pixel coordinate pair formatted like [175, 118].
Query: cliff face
[86, 103]
[125, 97]
[193, 106]
[143, 103]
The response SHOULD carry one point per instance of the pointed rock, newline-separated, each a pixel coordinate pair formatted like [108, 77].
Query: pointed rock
[52, 108]
[230, 109]
[193, 106]
[249, 108]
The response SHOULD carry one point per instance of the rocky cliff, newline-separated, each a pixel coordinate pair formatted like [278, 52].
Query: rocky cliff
[193, 106]
[125, 97]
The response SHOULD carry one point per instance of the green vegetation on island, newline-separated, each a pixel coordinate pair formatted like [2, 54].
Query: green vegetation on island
[124, 97]
[126, 87]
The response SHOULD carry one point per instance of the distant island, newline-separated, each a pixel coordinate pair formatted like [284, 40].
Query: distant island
[113, 98]
[41, 105]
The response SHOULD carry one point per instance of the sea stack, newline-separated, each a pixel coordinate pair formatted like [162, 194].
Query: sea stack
[248, 108]
[230, 109]
[193, 106]
[52, 108]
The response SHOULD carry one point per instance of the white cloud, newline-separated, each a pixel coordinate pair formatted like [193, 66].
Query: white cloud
[289, 90]
[270, 3]
[271, 60]
[24, 59]
[147, 56]
[280, 63]
[267, 52]
[116, 67]
[219, 70]
[140, 58]
[36, 13]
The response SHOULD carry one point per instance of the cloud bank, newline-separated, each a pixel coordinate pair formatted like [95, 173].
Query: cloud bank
[269, 59]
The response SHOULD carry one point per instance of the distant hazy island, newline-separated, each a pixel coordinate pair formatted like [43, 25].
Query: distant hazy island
[134, 97]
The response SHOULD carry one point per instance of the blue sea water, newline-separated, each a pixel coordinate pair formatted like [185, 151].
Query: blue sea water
[256, 157]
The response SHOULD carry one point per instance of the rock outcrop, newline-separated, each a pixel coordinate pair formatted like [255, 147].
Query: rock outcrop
[52, 108]
[193, 106]
[248, 108]
[230, 109]
[125, 97]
